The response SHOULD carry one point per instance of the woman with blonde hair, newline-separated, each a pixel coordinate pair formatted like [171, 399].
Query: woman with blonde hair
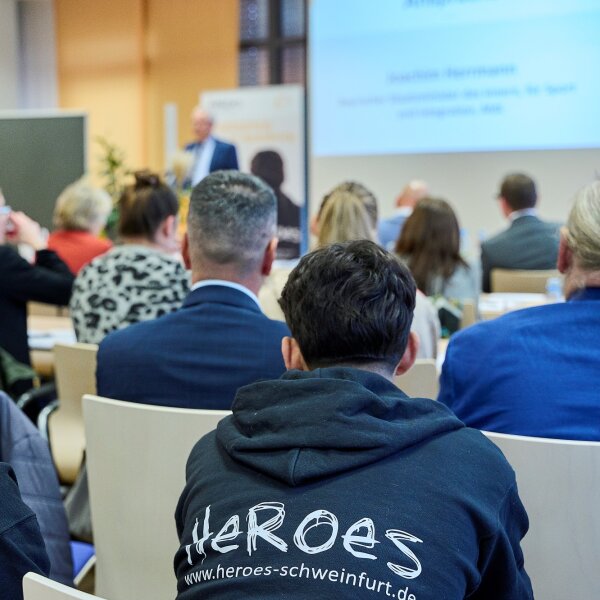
[344, 218]
[79, 217]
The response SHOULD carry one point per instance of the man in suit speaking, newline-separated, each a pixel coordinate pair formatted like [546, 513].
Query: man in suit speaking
[219, 340]
[209, 153]
[529, 243]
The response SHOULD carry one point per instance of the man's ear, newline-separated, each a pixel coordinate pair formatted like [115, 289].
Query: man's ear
[410, 354]
[185, 251]
[269, 257]
[504, 207]
[565, 254]
[292, 356]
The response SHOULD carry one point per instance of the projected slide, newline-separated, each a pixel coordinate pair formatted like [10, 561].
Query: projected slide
[417, 76]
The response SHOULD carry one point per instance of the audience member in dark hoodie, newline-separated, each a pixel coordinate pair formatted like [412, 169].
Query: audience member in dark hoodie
[21, 545]
[330, 482]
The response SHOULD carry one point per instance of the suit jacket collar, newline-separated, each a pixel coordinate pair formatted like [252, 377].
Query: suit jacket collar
[588, 293]
[220, 294]
[524, 220]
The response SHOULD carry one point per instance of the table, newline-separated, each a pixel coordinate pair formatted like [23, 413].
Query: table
[43, 332]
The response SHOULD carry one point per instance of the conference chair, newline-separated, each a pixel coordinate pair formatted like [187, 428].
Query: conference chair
[529, 282]
[36, 587]
[421, 380]
[559, 484]
[136, 457]
[75, 372]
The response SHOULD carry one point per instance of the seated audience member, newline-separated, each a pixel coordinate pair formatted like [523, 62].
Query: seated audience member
[21, 544]
[24, 449]
[141, 279]
[47, 280]
[536, 371]
[389, 230]
[79, 216]
[529, 242]
[330, 482]
[349, 212]
[219, 340]
[430, 246]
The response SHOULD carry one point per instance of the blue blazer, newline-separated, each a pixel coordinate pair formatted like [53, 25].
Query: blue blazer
[196, 357]
[531, 372]
[224, 156]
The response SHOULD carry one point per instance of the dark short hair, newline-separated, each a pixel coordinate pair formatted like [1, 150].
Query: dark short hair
[519, 191]
[231, 219]
[350, 303]
[144, 205]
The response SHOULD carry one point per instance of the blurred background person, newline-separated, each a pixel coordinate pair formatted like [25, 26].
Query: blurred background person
[430, 245]
[140, 279]
[209, 153]
[268, 165]
[47, 280]
[389, 229]
[79, 216]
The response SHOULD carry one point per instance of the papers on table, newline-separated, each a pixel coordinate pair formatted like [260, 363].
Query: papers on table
[501, 303]
[45, 340]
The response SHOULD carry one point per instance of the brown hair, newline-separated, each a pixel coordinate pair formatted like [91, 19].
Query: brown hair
[430, 242]
[144, 205]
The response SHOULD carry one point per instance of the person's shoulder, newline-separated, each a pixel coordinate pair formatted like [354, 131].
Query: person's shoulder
[13, 509]
[497, 239]
[223, 144]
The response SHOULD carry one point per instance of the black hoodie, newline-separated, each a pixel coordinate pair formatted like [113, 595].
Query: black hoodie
[334, 484]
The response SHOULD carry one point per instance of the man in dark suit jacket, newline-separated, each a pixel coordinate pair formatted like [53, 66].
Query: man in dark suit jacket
[529, 242]
[535, 371]
[219, 340]
[210, 154]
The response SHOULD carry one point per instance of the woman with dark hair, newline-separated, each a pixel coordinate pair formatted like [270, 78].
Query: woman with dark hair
[430, 245]
[140, 279]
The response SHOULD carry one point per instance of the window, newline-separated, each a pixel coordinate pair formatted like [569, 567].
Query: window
[272, 41]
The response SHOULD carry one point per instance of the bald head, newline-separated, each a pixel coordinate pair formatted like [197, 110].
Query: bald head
[202, 123]
[414, 191]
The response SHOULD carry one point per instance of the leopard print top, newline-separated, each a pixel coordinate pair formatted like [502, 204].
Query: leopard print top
[128, 284]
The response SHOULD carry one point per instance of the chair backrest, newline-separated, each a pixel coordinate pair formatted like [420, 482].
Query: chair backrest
[136, 457]
[421, 380]
[36, 587]
[559, 484]
[75, 372]
[469, 315]
[529, 282]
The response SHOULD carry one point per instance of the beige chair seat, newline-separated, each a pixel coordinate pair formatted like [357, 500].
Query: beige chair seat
[527, 282]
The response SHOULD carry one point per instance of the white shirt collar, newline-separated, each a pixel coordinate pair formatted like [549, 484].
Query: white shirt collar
[524, 212]
[224, 283]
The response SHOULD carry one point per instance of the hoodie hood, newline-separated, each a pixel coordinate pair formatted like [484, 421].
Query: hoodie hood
[313, 424]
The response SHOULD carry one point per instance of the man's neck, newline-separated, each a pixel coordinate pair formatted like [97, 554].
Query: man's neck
[577, 279]
[524, 212]
[251, 282]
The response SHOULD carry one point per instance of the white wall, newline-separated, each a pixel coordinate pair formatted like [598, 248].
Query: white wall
[28, 77]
